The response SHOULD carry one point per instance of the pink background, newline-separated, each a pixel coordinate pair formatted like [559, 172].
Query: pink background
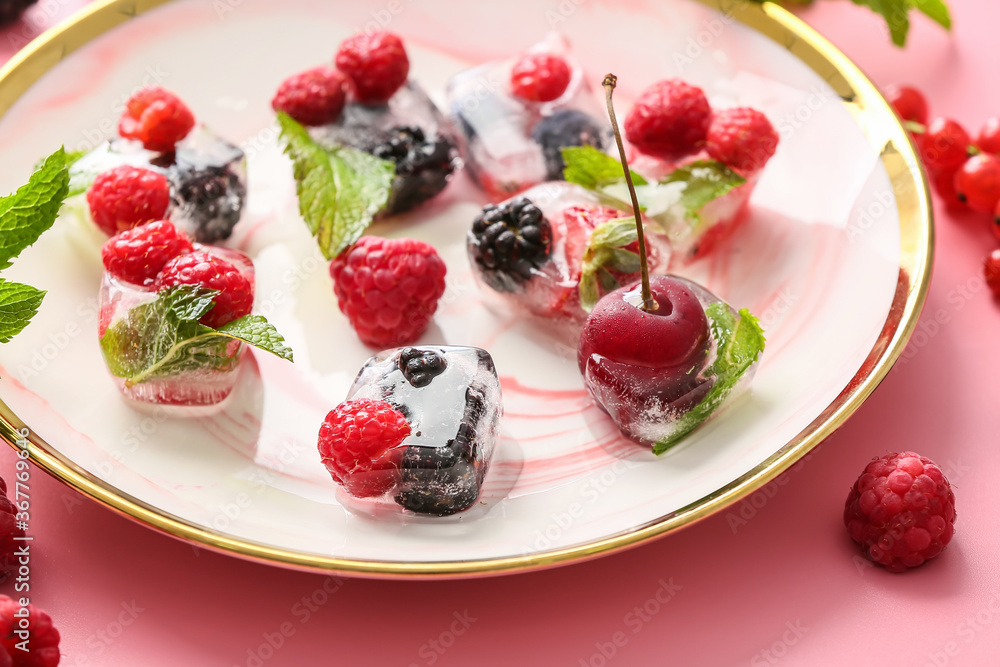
[771, 581]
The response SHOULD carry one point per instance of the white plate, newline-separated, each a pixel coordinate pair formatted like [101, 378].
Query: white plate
[833, 259]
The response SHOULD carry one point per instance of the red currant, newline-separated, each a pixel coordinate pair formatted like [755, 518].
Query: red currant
[991, 271]
[944, 186]
[946, 145]
[977, 182]
[989, 136]
[996, 221]
[909, 103]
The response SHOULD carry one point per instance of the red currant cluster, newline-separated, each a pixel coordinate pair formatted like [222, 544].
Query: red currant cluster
[964, 171]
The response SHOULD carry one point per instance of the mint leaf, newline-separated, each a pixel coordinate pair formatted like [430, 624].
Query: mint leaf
[25, 214]
[740, 343]
[589, 167]
[162, 337]
[340, 190]
[18, 304]
[704, 181]
[936, 10]
[896, 15]
[607, 251]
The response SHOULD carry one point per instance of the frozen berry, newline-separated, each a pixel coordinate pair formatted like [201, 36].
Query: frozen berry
[376, 64]
[210, 198]
[359, 443]
[742, 138]
[138, 255]
[235, 298]
[313, 97]
[977, 182]
[991, 271]
[669, 120]
[423, 166]
[508, 241]
[42, 641]
[901, 511]
[945, 145]
[388, 288]
[126, 196]
[9, 534]
[540, 77]
[988, 139]
[420, 366]
[909, 103]
[11, 10]
[157, 118]
[567, 127]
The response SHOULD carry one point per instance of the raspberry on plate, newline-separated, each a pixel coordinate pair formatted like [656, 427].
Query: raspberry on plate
[157, 118]
[138, 255]
[126, 196]
[901, 511]
[540, 77]
[376, 64]
[201, 268]
[669, 120]
[8, 534]
[42, 641]
[359, 445]
[313, 97]
[742, 139]
[388, 288]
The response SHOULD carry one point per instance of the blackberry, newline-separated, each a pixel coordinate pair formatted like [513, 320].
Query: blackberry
[11, 10]
[419, 367]
[210, 199]
[508, 241]
[566, 128]
[423, 165]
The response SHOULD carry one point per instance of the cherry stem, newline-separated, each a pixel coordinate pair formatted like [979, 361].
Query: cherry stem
[648, 303]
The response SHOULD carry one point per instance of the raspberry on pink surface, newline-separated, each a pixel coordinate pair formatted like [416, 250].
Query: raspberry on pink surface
[314, 97]
[359, 445]
[742, 139]
[388, 288]
[669, 120]
[201, 268]
[540, 77]
[126, 196]
[157, 118]
[901, 511]
[376, 64]
[138, 255]
[42, 640]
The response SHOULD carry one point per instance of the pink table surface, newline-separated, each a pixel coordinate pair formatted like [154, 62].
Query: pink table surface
[771, 581]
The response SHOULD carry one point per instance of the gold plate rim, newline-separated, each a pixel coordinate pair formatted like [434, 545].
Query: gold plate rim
[871, 111]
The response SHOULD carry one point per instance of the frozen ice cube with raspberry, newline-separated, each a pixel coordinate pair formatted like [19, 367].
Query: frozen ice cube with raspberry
[419, 426]
[205, 175]
[533, 253]
[515, 115]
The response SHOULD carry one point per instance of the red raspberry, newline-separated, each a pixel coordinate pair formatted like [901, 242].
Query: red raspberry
[8, 532]
[540, 77]
[991, 271]
[157, 118]
[126, 197]
[359, 443]
[201, 268]
[742, 138]
[376, 63]
[945, 146]
[977, 182]
[901, 511]
[137, 255]
[669, 120]
[909, 103]
[314, 97]
[388, 288]
[988, 138]
[43, 638]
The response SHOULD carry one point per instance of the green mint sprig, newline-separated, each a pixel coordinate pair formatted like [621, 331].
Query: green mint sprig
[340, 190]
[163, 337]
[704, 181]
[740, 343]
[24, 216]
[607, 252]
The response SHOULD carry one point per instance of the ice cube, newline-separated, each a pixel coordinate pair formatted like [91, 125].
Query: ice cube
[207, 175]
[454, 412]
[199, 375]
[547, 288]
[511, 144]
[411, 132]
